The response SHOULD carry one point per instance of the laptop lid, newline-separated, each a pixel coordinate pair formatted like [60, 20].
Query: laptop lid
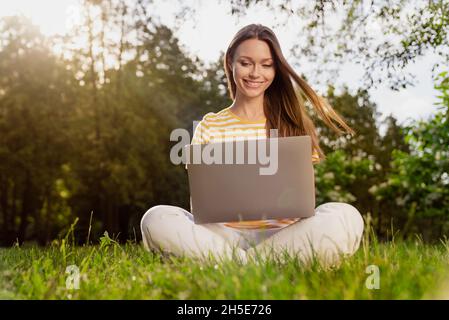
[236, 191]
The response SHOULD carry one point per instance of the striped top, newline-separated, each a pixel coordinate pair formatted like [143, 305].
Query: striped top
[227, 126]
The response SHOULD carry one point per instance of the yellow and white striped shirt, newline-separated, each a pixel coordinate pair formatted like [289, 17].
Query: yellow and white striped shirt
[227, 126]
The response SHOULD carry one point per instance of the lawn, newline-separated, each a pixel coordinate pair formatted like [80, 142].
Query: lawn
[407, 270]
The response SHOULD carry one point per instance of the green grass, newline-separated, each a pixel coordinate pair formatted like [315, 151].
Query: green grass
[408, 270]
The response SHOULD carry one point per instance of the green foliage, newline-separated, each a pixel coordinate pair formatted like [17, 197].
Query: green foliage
[35, 99]
[83, 141]
[357, 163]
[360, 113]
[76, 138]
[408, 270]
[419, 180]
[443, 87]
[106, 241]
[127, 118]
[384, 37]
[338, 174]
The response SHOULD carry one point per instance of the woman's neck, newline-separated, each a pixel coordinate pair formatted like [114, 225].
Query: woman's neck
[248, 108]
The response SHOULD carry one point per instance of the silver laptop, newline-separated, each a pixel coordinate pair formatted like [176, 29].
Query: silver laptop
[225, 191]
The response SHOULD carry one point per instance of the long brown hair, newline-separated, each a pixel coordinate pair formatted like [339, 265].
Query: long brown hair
[284, 106]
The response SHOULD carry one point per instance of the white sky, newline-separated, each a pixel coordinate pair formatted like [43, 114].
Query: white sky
[213, 32]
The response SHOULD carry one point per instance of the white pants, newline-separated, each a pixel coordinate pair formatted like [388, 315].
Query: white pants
[334, 231]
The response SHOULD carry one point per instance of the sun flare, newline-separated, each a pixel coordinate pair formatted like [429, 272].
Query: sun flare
[51, 16]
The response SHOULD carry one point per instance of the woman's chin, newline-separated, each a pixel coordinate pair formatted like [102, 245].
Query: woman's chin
[252, 93]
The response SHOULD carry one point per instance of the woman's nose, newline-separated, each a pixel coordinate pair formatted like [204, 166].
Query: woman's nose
[254, 72]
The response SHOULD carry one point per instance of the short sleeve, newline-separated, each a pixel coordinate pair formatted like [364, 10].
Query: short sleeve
[200, 135]
[201, 132]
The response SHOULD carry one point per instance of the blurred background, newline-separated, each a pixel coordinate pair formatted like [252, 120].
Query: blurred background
[91, 89]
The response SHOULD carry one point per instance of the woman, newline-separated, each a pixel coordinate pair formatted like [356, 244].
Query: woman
[267, 94]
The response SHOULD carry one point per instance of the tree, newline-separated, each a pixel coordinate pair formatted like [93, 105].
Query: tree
[361, 115]
[418, 181]
[382, 36]
[126, 168]
[36, 100]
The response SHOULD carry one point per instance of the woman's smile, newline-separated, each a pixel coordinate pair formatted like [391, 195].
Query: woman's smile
[253, 84]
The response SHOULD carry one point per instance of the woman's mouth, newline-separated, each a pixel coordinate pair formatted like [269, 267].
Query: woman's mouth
[253, 84]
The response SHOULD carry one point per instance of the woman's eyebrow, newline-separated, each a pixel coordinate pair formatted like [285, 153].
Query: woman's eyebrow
[253, 60]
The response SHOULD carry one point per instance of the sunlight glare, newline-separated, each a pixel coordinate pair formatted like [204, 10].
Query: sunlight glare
[51, 16]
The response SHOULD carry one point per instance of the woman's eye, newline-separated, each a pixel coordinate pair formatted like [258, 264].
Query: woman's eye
[248, 64]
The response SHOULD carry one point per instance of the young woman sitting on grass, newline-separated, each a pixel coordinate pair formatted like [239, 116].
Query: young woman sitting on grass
[261, 85]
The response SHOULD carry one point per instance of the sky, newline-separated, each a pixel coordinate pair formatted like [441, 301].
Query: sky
[212, 31]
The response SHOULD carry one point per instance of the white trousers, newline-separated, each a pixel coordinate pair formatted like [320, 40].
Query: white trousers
[333, 232]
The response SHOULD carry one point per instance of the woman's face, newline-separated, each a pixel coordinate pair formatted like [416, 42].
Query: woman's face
[253, 67]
